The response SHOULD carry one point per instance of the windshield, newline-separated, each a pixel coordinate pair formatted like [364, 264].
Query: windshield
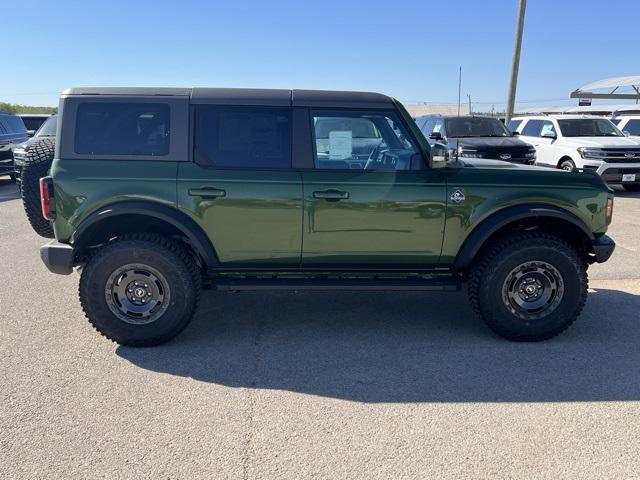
[476, 127]
[588, 127]
[48, 128]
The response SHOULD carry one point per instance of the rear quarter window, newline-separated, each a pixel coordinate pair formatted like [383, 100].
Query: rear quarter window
[104, 128]
[514, 124]
[532, 128]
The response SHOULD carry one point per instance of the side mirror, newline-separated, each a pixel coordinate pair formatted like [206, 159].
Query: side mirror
[549, 135]
[626, 133]
[439, 156]
[435, 136]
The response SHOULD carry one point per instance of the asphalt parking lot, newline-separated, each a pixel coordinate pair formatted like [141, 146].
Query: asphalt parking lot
[317, 385]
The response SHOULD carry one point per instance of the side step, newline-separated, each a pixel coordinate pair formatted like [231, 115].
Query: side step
[347, 284]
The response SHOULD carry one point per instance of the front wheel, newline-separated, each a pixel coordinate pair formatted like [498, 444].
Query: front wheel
[529, 286]
[140, 290]
[567, 165]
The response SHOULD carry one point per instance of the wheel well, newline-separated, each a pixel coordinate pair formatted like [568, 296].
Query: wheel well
[566, 157]
[563, 229]
[112, 227]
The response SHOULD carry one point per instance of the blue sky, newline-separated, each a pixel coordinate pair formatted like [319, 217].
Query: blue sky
[408, 49]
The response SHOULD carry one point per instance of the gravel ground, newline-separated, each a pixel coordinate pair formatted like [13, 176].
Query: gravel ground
[317, 385]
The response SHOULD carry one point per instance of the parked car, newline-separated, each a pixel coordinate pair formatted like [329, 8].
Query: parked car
[583, 141]
[157, 192]
[628, 124]
[32, 161]
[12, 132]
[477, 137]
[33, 121]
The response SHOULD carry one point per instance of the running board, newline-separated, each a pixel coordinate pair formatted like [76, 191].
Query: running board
[346, 284]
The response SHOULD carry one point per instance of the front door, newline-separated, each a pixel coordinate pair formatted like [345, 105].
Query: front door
[369, 202]
[240, 188]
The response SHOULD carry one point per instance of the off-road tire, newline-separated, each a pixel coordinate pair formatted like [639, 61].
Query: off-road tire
[167, 257]
[567, 165]
[488, 275]
[36, 166]
[632, 188]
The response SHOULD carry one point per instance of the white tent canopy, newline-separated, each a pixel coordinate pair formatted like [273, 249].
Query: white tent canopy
[620, 88]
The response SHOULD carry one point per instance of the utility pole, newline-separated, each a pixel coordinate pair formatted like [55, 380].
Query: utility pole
[469, 96]
[459, 88]
[522, 6]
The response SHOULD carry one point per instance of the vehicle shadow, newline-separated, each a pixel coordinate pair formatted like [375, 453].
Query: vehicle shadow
[8, 190]
[400, 347]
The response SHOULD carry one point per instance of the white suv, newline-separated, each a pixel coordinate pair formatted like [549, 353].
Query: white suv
[628, 124]
[583, 141]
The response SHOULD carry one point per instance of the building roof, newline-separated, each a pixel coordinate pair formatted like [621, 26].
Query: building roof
[615, 84]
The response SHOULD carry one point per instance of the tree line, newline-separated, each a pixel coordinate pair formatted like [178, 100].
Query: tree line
[18, 108]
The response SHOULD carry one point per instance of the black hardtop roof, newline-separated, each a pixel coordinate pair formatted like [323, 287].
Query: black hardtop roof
[249, 96]
[437, 115]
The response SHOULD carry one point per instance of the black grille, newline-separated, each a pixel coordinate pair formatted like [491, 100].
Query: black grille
[619, 155]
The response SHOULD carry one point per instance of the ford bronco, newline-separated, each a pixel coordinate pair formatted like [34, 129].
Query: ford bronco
[154, 193]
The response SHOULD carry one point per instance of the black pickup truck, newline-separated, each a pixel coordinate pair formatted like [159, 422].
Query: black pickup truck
[12, 132]
[471, 136]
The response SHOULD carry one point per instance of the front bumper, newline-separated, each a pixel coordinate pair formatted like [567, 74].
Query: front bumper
[57, 257]
[612, 172]
[603, 247]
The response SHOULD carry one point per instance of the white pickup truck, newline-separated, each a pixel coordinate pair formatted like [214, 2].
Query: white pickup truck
[585, 142]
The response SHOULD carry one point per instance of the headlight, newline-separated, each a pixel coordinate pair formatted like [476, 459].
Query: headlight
[591, 153]
[609, 209]
[469, 153]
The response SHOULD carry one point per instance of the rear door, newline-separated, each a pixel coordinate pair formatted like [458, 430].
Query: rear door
[240, 186]
[533, 132]
[369, 201]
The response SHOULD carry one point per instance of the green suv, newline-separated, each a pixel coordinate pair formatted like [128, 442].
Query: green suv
[155, 193]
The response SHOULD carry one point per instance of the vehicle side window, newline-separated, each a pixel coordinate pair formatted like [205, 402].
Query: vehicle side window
[361, 140]
[514, 124]
[615, 121]
[547, 127]
[122, 129]
[428, 126]
[438, 126]
[243, 137]
[633, 127]
[532, 128]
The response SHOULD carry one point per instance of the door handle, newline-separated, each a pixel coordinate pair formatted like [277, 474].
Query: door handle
[331, 195]
[207, 192]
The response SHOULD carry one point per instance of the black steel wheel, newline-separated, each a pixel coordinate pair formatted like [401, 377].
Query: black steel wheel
[528, 286]
[140, 290]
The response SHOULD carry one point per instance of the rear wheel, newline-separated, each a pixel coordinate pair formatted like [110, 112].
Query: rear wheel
[529, 286]
[141, 290]
[36, 166]
[567, 165]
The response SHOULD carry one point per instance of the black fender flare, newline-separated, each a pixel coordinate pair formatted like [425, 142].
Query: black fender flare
[481, 233]
[191, 230]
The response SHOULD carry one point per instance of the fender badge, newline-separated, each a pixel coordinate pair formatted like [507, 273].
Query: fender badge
[457, 196]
